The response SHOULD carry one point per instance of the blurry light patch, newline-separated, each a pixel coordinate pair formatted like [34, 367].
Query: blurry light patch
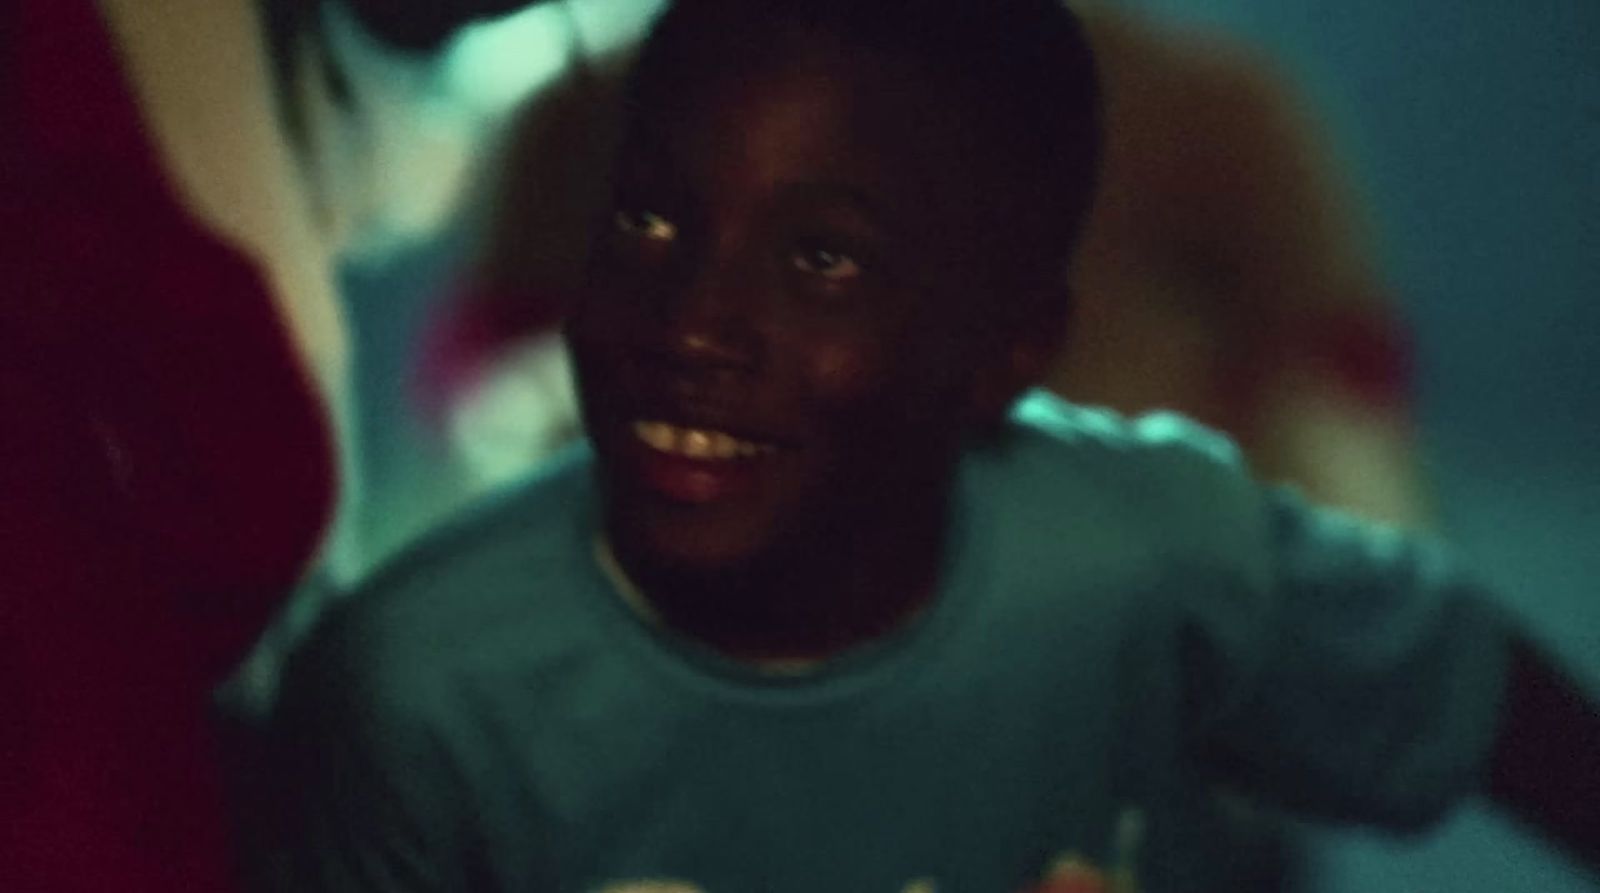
[493, 66]
[523, 410]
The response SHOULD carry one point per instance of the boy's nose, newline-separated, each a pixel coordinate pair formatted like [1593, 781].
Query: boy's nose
[710, 319]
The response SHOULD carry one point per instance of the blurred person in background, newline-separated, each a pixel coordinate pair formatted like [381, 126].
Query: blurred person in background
[178, 180]
[1227, 272]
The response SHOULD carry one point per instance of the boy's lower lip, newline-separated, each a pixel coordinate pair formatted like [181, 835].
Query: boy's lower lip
[693, 481]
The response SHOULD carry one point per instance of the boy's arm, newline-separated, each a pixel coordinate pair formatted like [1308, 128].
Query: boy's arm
[1545, 767]
[1380, 685]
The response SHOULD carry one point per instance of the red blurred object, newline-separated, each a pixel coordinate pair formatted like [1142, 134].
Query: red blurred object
[166, 471]
[475, 326]
[1368, 353]
[1363, 351]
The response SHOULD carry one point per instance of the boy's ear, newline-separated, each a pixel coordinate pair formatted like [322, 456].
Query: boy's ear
[1031, 342]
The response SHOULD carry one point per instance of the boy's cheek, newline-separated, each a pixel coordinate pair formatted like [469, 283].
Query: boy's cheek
[846, 373]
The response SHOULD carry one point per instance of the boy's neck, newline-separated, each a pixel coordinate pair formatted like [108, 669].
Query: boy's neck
[788, 619]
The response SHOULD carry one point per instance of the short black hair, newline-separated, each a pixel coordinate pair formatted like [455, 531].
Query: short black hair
[1023, 69]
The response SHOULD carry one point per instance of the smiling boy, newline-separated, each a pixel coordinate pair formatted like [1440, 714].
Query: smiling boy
[804, 306]
[824, 607]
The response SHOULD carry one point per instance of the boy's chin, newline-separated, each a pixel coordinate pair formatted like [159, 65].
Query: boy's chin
[690, 551]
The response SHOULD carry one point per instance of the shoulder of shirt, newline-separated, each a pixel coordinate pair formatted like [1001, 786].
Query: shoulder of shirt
[486, 570]
[1158, 504]
[1043, 417]
[520, 520]
[1160, 478]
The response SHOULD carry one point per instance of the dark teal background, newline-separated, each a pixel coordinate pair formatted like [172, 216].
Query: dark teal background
[1474, 127]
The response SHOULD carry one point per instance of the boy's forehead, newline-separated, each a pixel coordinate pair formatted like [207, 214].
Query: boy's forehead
[810, 104]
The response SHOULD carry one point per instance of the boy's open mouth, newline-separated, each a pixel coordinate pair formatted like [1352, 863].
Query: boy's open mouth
[704, 444]
[696, 464]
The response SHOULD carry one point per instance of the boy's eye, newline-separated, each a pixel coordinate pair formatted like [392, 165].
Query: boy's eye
[645, 225]
[833, 266]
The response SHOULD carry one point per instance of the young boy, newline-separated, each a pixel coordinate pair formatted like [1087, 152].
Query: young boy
[821, 608]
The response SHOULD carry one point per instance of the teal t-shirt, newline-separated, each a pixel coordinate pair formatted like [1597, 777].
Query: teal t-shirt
[1126, 620]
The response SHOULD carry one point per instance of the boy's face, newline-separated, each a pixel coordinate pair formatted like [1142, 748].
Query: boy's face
[778, 347]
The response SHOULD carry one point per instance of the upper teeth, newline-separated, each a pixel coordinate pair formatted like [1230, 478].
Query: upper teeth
[696, 443]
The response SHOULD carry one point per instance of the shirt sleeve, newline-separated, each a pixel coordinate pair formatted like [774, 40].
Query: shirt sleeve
[1374, 690]
[374, 801]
